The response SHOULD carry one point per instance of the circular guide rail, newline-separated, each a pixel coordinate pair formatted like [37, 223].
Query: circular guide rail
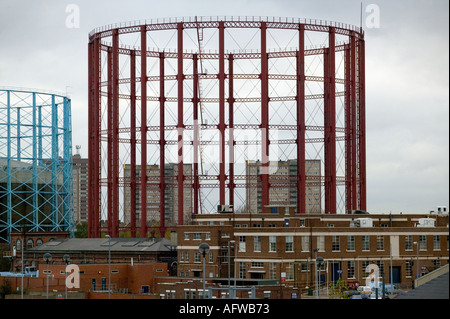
[236, 104]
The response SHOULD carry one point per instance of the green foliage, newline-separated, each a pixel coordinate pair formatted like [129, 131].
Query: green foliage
[82, 230]
[338, 290]
[5, 289]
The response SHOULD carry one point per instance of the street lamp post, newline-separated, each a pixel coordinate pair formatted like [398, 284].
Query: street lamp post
[109, 265]
[47, 258]
[204, 249]
[229, 267]
[315, 250]
[417, 262]
[319, 262]
[66, 259]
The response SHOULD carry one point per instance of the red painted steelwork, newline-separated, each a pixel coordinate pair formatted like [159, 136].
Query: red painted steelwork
[173, 102]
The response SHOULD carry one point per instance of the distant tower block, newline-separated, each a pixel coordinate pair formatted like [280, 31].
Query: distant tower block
[212, 93]
[35, 162]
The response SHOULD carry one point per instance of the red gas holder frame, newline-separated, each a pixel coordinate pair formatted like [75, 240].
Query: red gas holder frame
[113, 82]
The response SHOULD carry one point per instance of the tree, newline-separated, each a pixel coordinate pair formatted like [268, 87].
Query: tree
[82, 230]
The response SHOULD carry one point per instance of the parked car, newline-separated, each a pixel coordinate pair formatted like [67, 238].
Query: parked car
[351, 293]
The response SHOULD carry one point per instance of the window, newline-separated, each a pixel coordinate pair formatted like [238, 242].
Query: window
[272, 243]
[305, 243]
[436, 242]
[242, 243]
[18, 244]
[289, 243]
[351, 269]
[408, 268]
[257, 264]
[436, 263]
[186, 256]
[365, 264]
[290, 271]
[198, 236]
[350, 244]
[257, 243]
[207, 236]
[408, 242]
[321, 243]
[242, 271]
[365, 243]
[272, 271]
[380, 264]
[181, 256]
[186, 236]
[380, 243]
[422, 242]
[197, 257]
[336, 244]
[211, 257]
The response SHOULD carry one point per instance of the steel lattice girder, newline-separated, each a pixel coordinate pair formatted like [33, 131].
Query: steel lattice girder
[36, 162]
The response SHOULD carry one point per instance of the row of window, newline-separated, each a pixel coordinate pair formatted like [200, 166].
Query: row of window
[351, 268]
[336, 243]
[184, 257]
[30, 243]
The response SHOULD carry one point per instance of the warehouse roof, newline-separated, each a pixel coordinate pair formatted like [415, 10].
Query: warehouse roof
[102, 244]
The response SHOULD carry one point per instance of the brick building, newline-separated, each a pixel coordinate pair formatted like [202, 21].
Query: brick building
[281, 245]
[135, 262]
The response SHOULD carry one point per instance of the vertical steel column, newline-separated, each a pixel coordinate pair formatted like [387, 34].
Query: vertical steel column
[143, 187]
[9, 211]
[196, 184]
[91, 128]
[353, 120]
[94, 140]
[110, 140]
[133, 143]
[330, 124]
[264, 119]
[221, 125]
[362, 126]
[348, 139]
[231, 142]
[55, 163]
[301, 128]
[162, 143]
[95, 159]
[180, 125]
[35, 165]
[68, 168]
[115, 135]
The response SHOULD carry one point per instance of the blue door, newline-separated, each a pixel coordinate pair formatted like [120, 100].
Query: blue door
[335, 271]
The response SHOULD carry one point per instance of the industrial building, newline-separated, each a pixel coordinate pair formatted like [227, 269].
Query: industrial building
[283, 246]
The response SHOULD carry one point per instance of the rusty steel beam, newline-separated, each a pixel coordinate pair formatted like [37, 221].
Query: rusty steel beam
[133, 143]
[143, 177]
[180, 126]
[264, 119]
[301, 128]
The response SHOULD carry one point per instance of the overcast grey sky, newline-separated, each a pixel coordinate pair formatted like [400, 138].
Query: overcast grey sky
[407, 79]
